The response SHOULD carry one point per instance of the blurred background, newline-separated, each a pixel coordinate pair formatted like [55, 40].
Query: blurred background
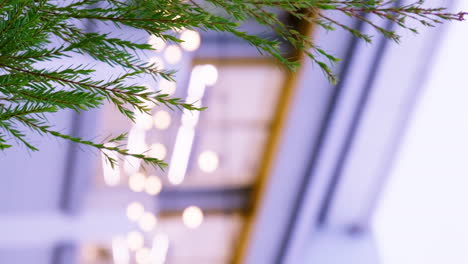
[281, 168]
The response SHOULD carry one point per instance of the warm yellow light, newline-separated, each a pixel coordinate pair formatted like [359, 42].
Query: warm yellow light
[172, 54]
[162, 120]
[153, 185]
[191, 40]
[209, 74]
[134, 211]
[136, 182]
[143, 256]
[192, 217]
[208, 161]
[135, 240]
[158, 63]
[158, 151]
[167, 87]
[156, 43]
[147, 222]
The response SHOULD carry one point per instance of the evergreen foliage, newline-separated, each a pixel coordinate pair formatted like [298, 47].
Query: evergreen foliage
[37, 31]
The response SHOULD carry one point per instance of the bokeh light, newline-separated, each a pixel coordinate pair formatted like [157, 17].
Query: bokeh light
[192, 217]
[208, 161]
[153, 185]
[136, 182]
[191, 40]
[156, 43]
[209, 74]
[173, 54]
[135, 240]
[143, 256]
[135, 210]
[162, 120]
[147, 222]
[158, 151]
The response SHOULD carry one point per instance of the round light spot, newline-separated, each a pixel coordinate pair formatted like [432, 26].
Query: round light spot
[167, 87]
[162, 120]
[209, 74]
[136, 182]
[191, 40]
[153, 185]
[208, 161]
[134, 211]
[156, 43]
[192, 217]
[143, 120]
[172, 54]
[158, 151]
[147, 222]
[135, 240]
[143, 256]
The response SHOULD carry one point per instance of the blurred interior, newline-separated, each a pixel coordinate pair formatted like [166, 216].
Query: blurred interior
[282, 167]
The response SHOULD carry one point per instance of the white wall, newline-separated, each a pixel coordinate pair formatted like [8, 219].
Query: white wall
[423, 216]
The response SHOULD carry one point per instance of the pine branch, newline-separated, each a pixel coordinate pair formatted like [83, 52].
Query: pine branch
[45, 129]
[35, 31]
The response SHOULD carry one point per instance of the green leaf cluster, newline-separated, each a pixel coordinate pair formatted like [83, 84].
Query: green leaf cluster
[36, 31]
